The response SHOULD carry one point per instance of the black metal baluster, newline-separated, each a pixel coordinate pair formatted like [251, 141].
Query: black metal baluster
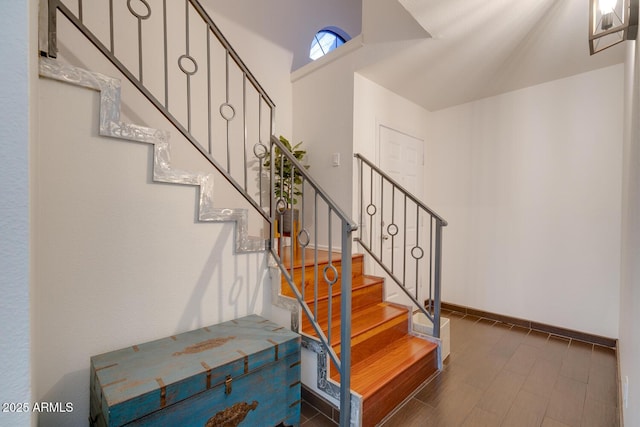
[431, 254]
[382, 234]
[330, 285]
[393, 226]
[260, 143]
[302, 246]
[419, 251]
[186, 17]
[404, 244]
[315, 255]
[289, 211]
[361, 204]
[140, 77]
[244, 127]
[438, 266]
[370, 208]
[111, 34]
[228, 122]
[209, 110]
[166, 55]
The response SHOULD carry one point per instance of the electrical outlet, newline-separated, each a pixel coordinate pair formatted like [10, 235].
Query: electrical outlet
[625, 392]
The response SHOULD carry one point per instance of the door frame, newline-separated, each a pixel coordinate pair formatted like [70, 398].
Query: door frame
[377, 270]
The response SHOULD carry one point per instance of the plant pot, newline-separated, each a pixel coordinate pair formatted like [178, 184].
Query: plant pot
[287, 219]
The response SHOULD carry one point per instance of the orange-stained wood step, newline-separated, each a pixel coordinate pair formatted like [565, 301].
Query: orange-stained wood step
[319, 267]
[386, 378]
[365, 320]
[387, 364]
[366, 291]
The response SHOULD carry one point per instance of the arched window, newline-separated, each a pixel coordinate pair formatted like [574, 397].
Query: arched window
[326, 40]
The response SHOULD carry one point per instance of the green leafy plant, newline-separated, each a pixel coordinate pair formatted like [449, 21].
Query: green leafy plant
[287, 178]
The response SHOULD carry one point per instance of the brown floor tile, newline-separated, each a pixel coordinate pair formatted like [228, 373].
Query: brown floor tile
[603, 356]
[603, 385]
[501, 393]
[480, 418]
[307, 411]
[454, 408]
[555, 348]
[599, 414]
[567, 401]
[523, 359]
[536, 339]
[542, 378]
[528, 410]
[413, 413]
[550, 422]
[577, 362]
[502, 376]
[319, 421]
[484, 372]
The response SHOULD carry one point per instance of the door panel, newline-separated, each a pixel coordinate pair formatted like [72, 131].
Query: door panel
[401, 157]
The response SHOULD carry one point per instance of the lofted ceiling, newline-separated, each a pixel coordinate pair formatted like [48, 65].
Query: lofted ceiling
[481, 48]
[439, 53]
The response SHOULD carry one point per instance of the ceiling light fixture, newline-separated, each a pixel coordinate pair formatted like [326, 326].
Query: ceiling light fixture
[611, 22]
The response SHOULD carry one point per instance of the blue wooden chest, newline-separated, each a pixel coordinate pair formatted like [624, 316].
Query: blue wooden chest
[245, 372]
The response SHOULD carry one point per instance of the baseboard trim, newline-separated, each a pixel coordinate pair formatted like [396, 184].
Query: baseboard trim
[620, 395]
[320, 403]
[530, 324]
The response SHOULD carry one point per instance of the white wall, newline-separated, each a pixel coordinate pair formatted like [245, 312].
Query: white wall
[376, 106]
[118, 259]
[323, 120]
[530, 184]
[267, 60]
[629, 344]
[15, 85]
[291, 24]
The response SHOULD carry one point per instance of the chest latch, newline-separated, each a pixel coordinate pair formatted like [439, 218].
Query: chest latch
[227, 385]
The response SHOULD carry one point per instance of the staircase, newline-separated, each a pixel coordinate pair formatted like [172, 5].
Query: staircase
[373, 360]
[387, 363]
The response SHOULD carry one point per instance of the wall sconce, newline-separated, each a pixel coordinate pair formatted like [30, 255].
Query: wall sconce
[611, 22]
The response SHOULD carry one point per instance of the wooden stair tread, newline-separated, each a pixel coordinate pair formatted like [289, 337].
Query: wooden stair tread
[373, 373]
[309, 258]
[359, 282]
[363, 320]
[387, 364]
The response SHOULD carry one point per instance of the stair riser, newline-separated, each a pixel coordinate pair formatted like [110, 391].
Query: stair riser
[360, 298]
[323, 288]
[377, 406]
[366, 344]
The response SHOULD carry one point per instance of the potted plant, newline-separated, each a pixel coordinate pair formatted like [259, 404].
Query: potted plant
[288, 181]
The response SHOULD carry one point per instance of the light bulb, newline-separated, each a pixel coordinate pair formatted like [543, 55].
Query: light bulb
[607, 6]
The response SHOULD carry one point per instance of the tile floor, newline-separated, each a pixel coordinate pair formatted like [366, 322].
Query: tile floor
[500, 375]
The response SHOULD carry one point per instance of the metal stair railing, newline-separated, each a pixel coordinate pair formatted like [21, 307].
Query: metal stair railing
[181, 112]
[393, 216]
[315, 228]
[322, 221]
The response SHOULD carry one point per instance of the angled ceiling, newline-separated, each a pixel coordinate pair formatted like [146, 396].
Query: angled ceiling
[438, 53]
[481, 48]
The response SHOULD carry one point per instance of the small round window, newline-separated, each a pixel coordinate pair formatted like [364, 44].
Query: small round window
[324, 42]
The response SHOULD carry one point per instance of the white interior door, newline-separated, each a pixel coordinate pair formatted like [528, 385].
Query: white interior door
[401, 156]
